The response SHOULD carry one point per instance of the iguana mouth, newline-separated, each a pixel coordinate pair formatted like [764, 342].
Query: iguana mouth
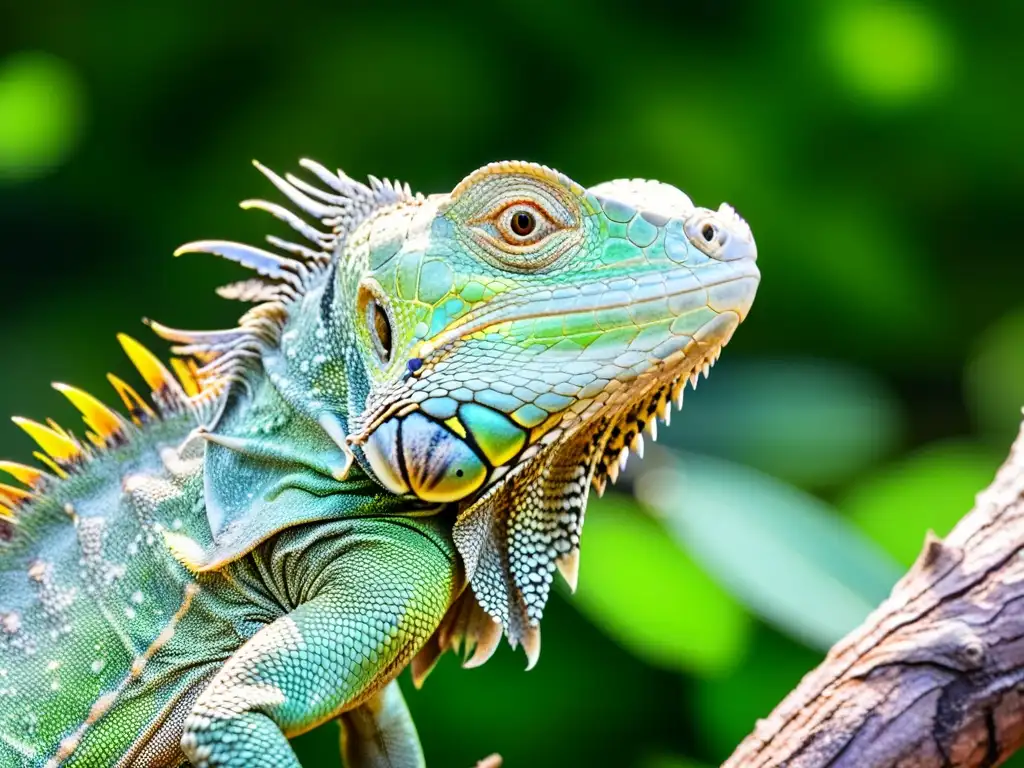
[615, 421]
[619, 416]
[592, 297]
[666, 386]
[682, 284]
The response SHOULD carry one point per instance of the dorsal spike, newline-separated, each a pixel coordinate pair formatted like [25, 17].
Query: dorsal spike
[23, 473]
[61, 448]
[279, 212]
[104, 422]
[58, 429]
[340, 182]
[252, 290]
[320, 195]
[152, 370]
[51, 464]
[262, 262]
[13, 496]
[206, 338]
[186, 376]
[137, 407]
[304, 201]
[296, 249]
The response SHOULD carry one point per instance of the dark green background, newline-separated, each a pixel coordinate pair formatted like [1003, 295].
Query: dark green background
[873, 147]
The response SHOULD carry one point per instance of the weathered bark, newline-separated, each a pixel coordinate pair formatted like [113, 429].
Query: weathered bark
[935, 676]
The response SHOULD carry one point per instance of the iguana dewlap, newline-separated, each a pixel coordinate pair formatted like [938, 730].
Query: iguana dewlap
[389, 457]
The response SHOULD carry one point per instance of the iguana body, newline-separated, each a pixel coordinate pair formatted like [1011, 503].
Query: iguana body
[389, 457]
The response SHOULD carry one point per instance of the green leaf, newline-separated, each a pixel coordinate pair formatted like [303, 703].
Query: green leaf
[637, 586]
[788, 556]
[931, 489]
[995, 378]
[779, 429]
[41, 103]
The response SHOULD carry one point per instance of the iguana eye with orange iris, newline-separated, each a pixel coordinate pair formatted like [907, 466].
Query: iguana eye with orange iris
[523, 224]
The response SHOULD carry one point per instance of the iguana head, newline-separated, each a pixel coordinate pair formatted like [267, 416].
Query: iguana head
[499, 348]
[520, 309]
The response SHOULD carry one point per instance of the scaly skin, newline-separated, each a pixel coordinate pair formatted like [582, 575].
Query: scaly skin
[389, 457]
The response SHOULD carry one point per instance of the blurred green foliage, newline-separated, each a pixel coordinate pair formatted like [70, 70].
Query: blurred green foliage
[787, 555]
[927, 490]
[624, 590]
[873, 146]
[44, 93]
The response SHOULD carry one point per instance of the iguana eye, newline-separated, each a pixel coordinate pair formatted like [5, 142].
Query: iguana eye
[523, 224]
[380, 330]
[378, 321]
[706, 235]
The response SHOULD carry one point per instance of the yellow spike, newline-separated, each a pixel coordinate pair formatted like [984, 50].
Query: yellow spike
[11, 497]
[100, 419]
[186, 376]
[7, 514]
[61, 447]
[51, 464]
[30, 476]
[153, 371]
[58, 429]
[132, 400]
[95, 439]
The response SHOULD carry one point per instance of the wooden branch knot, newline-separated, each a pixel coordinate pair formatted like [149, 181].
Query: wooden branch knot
[937, 555]
[946, 644]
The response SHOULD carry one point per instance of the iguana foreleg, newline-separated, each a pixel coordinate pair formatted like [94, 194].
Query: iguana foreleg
[380, 733]
[380, 593]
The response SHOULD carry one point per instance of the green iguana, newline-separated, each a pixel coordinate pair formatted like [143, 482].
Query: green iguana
[388, 458]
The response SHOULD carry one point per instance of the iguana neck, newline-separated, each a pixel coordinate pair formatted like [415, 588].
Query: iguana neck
[262, 429]
[312, 372]
[273, 461]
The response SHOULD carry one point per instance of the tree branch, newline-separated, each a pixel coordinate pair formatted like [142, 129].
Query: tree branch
[935, 676]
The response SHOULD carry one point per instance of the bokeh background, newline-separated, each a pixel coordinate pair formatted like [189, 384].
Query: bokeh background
[875, 148]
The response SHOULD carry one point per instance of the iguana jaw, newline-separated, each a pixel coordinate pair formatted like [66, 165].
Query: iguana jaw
[628, 408]
[634, 411]
[528, 521]
[637, 308]
[682, 288]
